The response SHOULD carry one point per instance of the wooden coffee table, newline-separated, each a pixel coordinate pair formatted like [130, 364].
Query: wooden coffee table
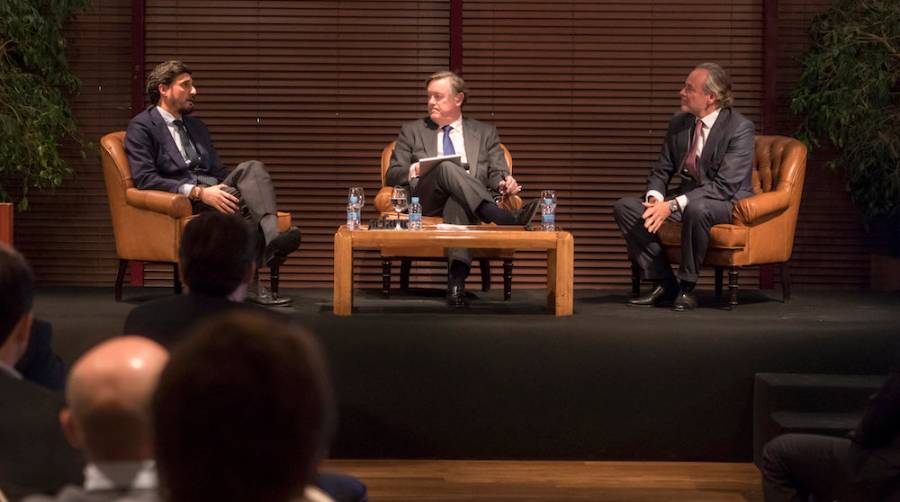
[560, 248]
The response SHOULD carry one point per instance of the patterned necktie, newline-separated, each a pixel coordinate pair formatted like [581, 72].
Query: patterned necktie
[193, 157]
[448, 145]
[691, 161]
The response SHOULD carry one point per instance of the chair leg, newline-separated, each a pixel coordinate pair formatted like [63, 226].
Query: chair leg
[733, 286]
[274, 278]
[786, 282]
[635, 280]
[719, 275]
[176, 283]
[120, 278]
[405, 267]
[507, 279]
[485, 266]
[386, 277]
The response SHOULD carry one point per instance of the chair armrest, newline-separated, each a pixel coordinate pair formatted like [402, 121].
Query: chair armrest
[383, 199]
[760, 207]
[172, 204]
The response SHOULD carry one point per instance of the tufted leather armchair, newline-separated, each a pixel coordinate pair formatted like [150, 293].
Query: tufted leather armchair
[147, 224]
[407, 254]
[763, 225]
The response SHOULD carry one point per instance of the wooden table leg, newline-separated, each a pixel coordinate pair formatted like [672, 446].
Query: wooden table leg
[563, 265]
[343, 272]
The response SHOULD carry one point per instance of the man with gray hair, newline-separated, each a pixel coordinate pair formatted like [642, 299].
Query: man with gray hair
[709, 145]
[467, 192]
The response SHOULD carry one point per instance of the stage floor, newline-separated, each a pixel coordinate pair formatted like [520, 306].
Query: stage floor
[508, 380]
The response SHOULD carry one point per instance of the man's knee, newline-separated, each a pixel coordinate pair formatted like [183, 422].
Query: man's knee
[627, 206]
[696, 211]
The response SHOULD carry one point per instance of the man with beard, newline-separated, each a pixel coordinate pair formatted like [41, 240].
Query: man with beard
[170, 150]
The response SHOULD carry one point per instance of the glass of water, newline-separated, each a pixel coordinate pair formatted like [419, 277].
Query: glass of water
[399, 201]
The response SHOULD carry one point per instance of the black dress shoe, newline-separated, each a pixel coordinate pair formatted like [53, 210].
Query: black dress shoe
[281, 246]
[685, 301]
[526, 213]
[660, 294]
[456, 297]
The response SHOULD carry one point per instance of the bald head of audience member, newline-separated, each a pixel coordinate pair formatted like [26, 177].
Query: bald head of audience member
[243, 412]
[108, 399]
[16, 298]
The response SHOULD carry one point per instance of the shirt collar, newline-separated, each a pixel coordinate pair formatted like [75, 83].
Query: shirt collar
[9, 370]
[168, 117]
[710, 119]
[456, 124]
[134, 475]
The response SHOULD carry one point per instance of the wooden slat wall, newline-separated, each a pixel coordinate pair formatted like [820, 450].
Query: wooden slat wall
[67, 234]
[313, 89]
[582, 93]
[580, 90]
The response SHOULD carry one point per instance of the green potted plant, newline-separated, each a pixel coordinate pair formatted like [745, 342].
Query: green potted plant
[848, 97]
[35, 81]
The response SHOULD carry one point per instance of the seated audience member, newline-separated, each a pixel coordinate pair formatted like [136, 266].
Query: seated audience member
[170, 150]
[216, 263]
[40, 364]
[108, 418]
[866, 467]
[266, 414]
[34, 455]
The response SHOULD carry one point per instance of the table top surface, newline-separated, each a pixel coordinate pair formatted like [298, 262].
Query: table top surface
[472, 236]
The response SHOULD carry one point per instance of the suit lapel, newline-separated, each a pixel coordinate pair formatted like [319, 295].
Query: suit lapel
[166, 138]
[472, 144]
[429, 137]
[712, 141]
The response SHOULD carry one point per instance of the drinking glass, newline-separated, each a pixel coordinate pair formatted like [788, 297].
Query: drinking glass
[399, 201]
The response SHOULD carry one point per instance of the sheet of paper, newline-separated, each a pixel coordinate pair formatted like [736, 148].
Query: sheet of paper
[429, 162]
[450, 228]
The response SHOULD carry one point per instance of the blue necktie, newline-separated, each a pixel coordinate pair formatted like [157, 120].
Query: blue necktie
[448, 145]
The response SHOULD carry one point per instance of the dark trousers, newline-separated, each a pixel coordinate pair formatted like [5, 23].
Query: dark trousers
[252, 185]
[796, 467]
[447, 190]
[645, 249]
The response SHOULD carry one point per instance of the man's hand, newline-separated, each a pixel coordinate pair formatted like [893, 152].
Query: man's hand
[414, 171]
[655, 214]
[509, 186]
[217, 197]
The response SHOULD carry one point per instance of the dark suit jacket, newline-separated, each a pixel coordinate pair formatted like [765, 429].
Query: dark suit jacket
[155, 160]
[34, 454]
[726, 164]
[40, 364]
[167, 320]
[418, 140]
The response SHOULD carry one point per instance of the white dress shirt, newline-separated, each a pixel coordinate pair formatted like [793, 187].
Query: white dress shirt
[708, 122]
[136, 475]
[456, 137]
[186, 188]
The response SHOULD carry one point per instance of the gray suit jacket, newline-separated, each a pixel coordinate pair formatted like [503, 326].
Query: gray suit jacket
[418, 140]
[726, 165]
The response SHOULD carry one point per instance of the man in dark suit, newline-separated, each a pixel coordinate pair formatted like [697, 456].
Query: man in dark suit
[710, 146]
[34, 455]
[216, 260]
[40, 364]
[170, 150]
[467, 194]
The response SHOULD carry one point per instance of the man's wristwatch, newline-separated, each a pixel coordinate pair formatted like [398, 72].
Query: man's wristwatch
[673, 206]
[195, 193]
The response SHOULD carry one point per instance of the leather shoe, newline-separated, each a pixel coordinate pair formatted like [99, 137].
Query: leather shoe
[456, 297]
[281, 246]
[660, 294]
[526, 213]
[685, 301]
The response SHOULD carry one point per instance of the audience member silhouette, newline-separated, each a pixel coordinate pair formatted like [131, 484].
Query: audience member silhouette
[34, 455]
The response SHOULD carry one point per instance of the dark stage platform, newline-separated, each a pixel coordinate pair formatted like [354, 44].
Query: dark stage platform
[510, 380]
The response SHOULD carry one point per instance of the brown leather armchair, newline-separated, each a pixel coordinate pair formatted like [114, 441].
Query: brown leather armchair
[763, 225]
[147, 224]
[407, 254]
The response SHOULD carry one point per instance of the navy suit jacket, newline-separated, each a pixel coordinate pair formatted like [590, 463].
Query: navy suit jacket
[726, 164]
[153, 155]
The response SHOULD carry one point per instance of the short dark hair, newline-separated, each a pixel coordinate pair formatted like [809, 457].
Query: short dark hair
[217, 250]
[164, 74]
[16, 290]
[246, 395]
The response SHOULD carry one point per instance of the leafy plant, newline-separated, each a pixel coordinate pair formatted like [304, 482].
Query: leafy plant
[848, 96]
[34, 82]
